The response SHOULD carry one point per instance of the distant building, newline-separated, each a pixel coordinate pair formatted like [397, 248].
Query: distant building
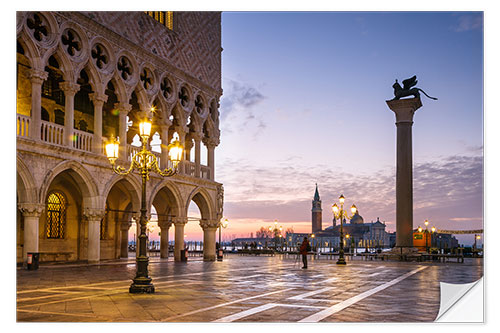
[361, 234]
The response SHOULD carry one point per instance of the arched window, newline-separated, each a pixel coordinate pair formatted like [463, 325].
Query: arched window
[56, 215]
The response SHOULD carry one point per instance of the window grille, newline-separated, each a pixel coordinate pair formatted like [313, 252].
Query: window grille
[165, 18]
[56, 215]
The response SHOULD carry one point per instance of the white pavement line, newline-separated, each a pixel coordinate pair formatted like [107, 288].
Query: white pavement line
[57, 313]
[301, 306]
[327, 280]
[72, 299]
[225, 304]
[353, 300]
[244, 277]
[311, 293]
[245, 313]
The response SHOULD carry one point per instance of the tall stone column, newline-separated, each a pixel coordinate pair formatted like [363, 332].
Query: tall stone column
[70, 89]
[188, 145]
[211, 143]
[164, 227]
[164, 158]
[404, 110]
[182, 139]
[98, 100]
[123, 109]
[179, 237]
[124, 227]
[94, 217]
[37, 77]
[197, 153]
[209, 229]
[31, 214]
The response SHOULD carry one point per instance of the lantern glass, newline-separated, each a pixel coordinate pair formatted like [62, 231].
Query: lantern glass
[112, 150]
[433, 229]
[419, 229]
[335, 208]
[341, 199]
[354, 209]
[175, 152]
[145, 129]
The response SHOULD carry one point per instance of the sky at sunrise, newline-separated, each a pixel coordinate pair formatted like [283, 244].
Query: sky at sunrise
[304, 103]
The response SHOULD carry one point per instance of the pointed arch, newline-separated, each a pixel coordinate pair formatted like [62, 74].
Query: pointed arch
[133, 186]
[26, 187]
[83, 179]
[202, 199]
[173, 194]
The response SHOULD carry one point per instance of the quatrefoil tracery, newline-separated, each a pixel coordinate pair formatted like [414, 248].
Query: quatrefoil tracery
[70, 40]
[100, 57]
[39, 30]
[124, 68]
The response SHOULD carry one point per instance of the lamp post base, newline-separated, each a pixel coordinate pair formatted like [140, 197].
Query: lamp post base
[341, 261]
[140, 288]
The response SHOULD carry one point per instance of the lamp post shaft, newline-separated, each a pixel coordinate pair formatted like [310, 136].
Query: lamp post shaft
[142, 282]
[341, 260]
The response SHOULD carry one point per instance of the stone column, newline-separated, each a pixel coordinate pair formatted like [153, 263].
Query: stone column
[188, 145]
[98, 100]
[31, 214]
[211, 143]
[70, 89]
[404, 110]
[124, 227]
[182, 139]
[209, 229]
[94, 217]
[164, 227]
[164, 158]
[179, 237]
[197, 153]
[123, 109]
[37, 77]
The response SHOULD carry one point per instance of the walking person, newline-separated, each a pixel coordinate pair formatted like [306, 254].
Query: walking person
[304, 249]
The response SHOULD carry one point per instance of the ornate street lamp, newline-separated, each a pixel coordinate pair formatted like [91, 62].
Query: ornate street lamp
[339, 213]
[222, 224]
[145, 162]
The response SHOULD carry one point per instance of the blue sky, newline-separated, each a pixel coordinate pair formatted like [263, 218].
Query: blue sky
[304, 102]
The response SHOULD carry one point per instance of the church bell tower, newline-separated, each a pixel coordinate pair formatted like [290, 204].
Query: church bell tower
[316, 212]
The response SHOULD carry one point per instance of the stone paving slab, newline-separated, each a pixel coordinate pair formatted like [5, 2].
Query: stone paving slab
[240, 289]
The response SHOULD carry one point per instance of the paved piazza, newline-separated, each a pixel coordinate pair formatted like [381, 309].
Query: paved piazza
[240, 289]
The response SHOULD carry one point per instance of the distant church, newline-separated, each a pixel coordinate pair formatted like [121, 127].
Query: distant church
[362, 234]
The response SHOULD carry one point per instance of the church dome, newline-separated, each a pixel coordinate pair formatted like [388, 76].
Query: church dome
[357, 219]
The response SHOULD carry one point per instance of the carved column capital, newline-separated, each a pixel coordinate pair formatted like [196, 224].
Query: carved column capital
[31, 209]
[211, 143]
[69, 88]
[404, 108]
[98, 98]
[180, 220]
[164, 225]
[38, 76]
[93, 214]
[209, 224]
[124, 226]
[123, 107]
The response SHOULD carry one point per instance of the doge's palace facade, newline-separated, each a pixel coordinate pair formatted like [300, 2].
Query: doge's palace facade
[84, 77]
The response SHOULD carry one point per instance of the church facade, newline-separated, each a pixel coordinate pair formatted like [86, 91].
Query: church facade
[85, 77]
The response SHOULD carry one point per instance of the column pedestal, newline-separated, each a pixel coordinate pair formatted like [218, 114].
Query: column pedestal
[404, 110]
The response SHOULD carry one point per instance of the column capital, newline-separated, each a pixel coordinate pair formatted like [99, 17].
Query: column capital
[180, 220]
[123, 107]
[164, 224]
[209, 224]
[124, 226]
[98, 97]
[69, 88]
[38, 76]
[93, 214]
[404, 108]
[31, 209]
[211, 143]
